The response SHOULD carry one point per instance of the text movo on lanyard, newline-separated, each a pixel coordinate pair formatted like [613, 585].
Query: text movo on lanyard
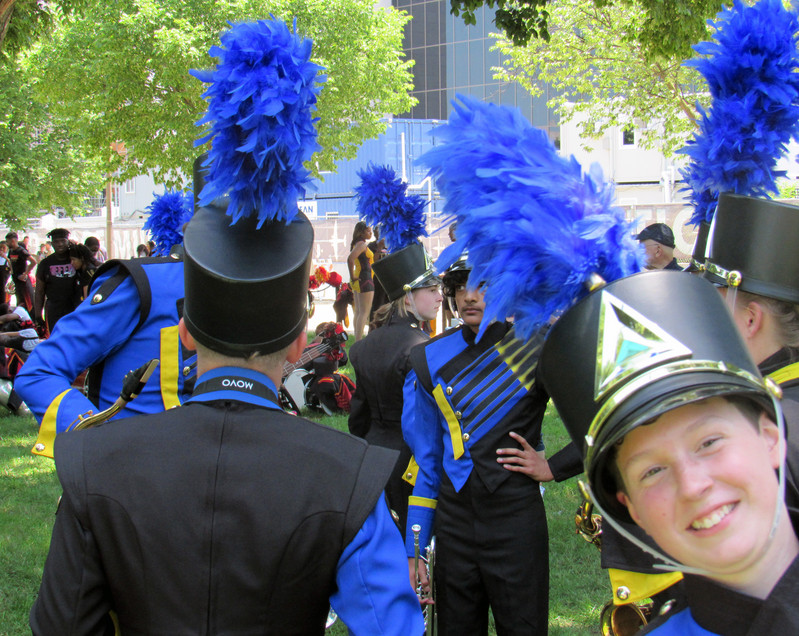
[224, 384]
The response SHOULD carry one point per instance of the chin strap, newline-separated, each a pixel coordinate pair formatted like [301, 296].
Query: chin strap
[412, 305]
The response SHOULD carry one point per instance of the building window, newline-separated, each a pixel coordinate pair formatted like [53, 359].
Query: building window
[130, 186]
[628, 137]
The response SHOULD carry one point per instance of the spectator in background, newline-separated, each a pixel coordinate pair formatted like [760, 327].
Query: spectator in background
[18, 337]
[98, 252]
[45, 249]
[378, 247]
[55, 282]
[5, 269]
[327, 390]
[85, 266]
[142, 251]
[22, 262]
[359, 263]
[658, 239]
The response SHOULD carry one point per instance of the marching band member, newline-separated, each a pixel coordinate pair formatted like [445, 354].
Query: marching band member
[130, 317]
[221, 516]
[518, 205]
[462, 398]
[679, 434]
[763, 293]
[380, 360]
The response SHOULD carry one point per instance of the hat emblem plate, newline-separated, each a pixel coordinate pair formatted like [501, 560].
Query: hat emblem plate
[629, 343]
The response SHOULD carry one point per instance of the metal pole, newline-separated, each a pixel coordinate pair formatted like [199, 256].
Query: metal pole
[109, 224]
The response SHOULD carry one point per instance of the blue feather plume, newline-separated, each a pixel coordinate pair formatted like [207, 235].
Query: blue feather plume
[168, 213]
[383, 201]
[752, 70]
[536, 227]
[260, 104]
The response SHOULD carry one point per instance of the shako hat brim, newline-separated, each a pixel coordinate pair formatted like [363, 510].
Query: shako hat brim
[633, 350]
[752, 246]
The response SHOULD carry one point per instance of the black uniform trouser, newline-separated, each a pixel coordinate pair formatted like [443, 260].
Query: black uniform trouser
[492, 550]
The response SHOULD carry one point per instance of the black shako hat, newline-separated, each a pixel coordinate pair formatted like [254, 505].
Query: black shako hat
[697, 262]
[258, 276]
[405, 270]
[633, 350]
[752, 246]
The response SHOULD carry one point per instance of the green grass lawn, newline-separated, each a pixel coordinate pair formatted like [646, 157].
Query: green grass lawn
[29, 491]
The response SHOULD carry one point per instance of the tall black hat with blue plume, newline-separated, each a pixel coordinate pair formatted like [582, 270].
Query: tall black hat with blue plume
[752, 70]
[550, 246]
[383, 201]
[248, 248]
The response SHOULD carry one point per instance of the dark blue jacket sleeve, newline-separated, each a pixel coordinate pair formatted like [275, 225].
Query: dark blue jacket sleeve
[374, 593]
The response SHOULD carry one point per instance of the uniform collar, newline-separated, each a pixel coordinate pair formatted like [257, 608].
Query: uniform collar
[408, 319]
[235, 383]
[493, 333]
[778, 360]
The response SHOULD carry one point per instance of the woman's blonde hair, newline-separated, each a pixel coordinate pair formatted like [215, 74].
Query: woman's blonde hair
[384, 312]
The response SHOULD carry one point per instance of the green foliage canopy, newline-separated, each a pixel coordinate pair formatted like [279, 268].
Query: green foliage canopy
[666, 28]
[119, 72]
[599, 69]
[41, 160]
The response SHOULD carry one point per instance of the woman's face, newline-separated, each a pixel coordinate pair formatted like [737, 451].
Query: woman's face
[427, 301]
[77, 263]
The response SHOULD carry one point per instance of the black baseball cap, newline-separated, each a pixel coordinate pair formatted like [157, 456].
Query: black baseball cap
[658, 232]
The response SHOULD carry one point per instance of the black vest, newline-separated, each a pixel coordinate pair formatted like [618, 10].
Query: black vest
[220, 517]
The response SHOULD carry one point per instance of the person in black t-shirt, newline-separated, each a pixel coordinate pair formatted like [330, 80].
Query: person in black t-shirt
[22, 262]
[55, 282]
[5, 270]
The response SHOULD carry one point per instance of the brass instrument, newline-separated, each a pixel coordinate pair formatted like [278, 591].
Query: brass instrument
[132, 385]
[589, 525]
[426, 598]
[623, 620]
[614, 620]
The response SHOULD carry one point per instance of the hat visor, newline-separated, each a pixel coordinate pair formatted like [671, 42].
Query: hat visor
[430, 280]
